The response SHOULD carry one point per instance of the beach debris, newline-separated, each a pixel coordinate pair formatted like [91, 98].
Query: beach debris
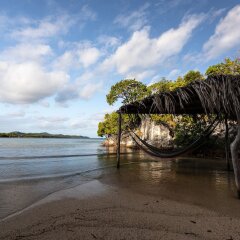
[94, 236]
[191, 233]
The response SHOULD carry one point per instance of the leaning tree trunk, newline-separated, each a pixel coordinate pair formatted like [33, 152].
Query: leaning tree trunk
[235, 160]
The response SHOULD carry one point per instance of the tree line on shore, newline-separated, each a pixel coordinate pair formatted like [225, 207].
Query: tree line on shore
[37, 135]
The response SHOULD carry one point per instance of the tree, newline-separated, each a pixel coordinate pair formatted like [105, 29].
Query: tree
[227, 67]
[163, 85]
[129, 90]
[192, 76]
[188, 128]
[109, 126]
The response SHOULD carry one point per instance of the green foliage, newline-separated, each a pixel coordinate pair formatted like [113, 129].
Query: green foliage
[188, 128]
[227, 67]
[192, 76]
[129, 90]
[110, 124]
[37, 135]
[179, 83]
[163, 85]
[167, 118]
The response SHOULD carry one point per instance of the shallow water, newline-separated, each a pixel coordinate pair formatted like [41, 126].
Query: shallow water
[31, 169]
[202, 182]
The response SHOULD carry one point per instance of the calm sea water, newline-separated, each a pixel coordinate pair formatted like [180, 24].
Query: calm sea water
[30, 169]
[43, 158]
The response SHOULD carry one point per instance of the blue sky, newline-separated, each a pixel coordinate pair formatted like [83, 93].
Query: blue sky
[58, 59]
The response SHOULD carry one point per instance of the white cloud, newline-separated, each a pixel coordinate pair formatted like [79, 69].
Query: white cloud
[155, 79]
[44, 103]
[226, 35]
[3, 21]
[8, 23]
[142, 52]
[44, 28]
[88, 56]
[53, 119]
[140, 75]
[83, 87]
[87, 14]
[89, 89]
[79, 123]
[163, 7]
[173, 74]
[85, 122]
[16, 114]
[23, 52]
[213, 14]
[135, 20]
[69, 92]
[109, 41]
[28, 72]
[65, 61]
[81, 55]
[28, 82]
[49, 27]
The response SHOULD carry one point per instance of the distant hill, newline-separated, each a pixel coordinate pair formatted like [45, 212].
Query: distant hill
[38, 135]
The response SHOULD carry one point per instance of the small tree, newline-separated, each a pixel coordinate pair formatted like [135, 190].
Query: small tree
[162, 86]
[227, 67]
[109, 126]
[192, 76]
[129, 90]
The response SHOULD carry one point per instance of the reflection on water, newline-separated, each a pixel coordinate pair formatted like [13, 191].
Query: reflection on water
[24, 181]
[203, 182]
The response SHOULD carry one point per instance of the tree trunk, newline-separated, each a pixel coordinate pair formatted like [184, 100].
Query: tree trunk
[235, 160]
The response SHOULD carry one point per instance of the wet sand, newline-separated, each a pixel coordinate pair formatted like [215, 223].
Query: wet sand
[119, 206]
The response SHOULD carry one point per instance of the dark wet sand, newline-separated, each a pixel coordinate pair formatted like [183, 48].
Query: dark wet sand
[127, 205]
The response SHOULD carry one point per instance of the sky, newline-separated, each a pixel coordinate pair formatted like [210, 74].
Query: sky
[59, 58]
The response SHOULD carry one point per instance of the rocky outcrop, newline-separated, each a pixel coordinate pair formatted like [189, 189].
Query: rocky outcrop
[160, 136]
[155, 134]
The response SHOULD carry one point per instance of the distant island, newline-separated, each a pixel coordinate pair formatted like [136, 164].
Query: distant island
[38, 135]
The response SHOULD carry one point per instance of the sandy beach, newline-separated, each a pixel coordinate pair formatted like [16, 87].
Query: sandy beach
[99, 210]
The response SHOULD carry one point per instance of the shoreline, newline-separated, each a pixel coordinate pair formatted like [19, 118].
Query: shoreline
[104, 209]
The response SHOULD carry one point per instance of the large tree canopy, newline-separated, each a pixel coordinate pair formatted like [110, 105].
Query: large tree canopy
[129, 90]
